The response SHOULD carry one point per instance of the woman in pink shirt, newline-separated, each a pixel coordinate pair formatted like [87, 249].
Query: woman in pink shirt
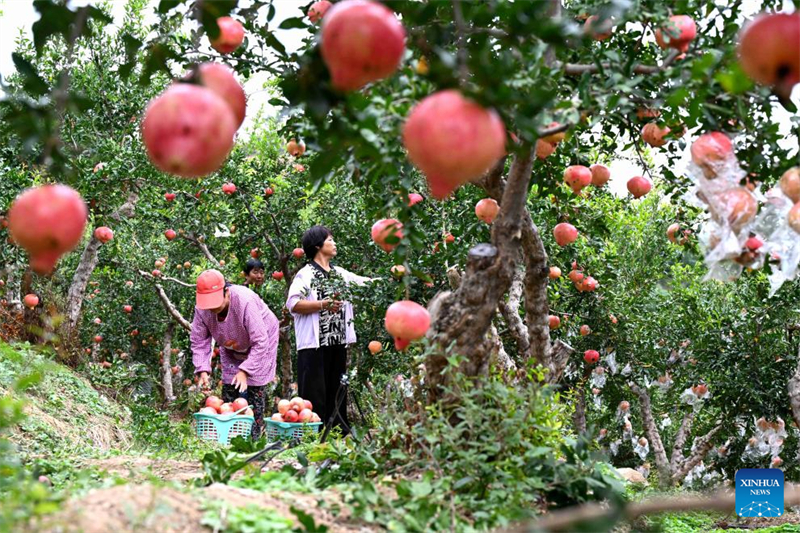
[323, 325]
[245, 330]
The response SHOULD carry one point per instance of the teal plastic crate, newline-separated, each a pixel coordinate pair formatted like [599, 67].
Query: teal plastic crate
[222, 428]
[287, 430]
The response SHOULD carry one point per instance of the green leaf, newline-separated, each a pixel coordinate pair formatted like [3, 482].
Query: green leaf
[32, 82]
[275, 43]
[165, 6]
[734, 80]
[292, 23]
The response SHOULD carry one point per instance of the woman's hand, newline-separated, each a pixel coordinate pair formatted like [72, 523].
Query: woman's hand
[240, 381]
[203, 382]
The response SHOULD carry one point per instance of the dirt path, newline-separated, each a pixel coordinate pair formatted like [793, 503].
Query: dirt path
[139, 468]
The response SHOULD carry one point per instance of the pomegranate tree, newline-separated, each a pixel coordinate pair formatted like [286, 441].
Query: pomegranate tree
[47, 221]
[406, 321]
[188, 130]
[362, 41]
[452, 140]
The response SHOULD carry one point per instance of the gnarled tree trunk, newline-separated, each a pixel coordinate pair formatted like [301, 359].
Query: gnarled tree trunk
[166, 365]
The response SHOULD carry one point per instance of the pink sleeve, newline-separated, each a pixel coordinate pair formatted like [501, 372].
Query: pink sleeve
[200, 339]
[263, 353]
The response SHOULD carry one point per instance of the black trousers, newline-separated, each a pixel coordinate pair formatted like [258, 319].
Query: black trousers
[319, 372]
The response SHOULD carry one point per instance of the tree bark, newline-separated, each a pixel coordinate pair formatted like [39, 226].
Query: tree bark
[464, 317]
[166, 365]
[537, 307]
[88, 262]
[680, 441]
[662, 465]
[702, 447]
[510, 312]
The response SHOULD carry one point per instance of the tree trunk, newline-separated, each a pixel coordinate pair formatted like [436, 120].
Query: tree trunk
[537, 308]
[464, 316]
[166, 365]
[286, 356]
[88, 262]
[794, 391]
[662, 465]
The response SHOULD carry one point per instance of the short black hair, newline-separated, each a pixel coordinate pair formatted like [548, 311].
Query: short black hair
[313, 239]
[251, 265]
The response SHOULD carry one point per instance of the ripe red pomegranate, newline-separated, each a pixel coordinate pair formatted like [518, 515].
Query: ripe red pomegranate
[793, 217]
[554, 273]
[387, 229]
[291, 416]
[220, 79]
[790, 184]
[414, 198]
[487, 210]
[295, 149]
[47, 221]
[103, 234]
[398, 271]
[225, 408]
[624, 405]
[600, 174]
[228, 188]
[753, 244]
[30, 300]
[98, 338]
[188, 130]
[654, 135]
[170, 235]
[769, 53]
[156, 273]
[671, 231]
[362, 41]
[585, 330]
[677, 33]
[318, 10]
[565, 233]
[231, 35]
[544, 149]
[577, 177]
[711, 151]
[452, 140]
[597, 29]
[406, 321]
[591, 356]
[298, 252]
[639, 186]
[268, 191]
[375, 347]
[448, 237]
[277, 275]
[737, 206]
[642, 441]
[170, 196]
[575, 276]
[554, 322]
[127, 308]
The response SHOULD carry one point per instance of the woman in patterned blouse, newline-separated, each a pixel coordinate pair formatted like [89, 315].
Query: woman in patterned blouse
[323, 325]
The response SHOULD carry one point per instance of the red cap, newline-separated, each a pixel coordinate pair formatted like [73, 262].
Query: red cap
[210, 285]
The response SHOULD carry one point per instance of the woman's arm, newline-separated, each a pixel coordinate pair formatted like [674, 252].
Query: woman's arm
[307, 307]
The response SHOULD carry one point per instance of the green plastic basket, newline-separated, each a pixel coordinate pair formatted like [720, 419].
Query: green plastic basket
[222, 428]
[288, 430]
